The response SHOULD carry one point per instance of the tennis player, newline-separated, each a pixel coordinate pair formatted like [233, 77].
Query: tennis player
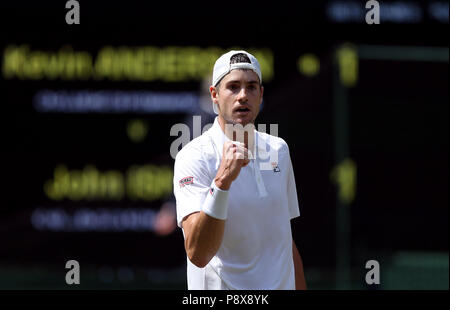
[234, 213]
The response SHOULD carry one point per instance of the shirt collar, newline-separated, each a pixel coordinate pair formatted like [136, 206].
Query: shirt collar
[218, 136]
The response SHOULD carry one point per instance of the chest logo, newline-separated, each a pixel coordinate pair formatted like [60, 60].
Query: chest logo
[275, 167]
[186, 181]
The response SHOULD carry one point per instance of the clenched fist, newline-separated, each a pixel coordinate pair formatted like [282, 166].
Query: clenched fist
[234, 156]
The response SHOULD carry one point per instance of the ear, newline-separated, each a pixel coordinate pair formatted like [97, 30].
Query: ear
[262, 93]
[214, 94]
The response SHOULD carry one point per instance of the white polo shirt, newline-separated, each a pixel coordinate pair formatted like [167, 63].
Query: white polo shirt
[256, 251]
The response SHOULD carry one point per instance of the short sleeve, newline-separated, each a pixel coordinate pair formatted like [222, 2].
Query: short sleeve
[294, 210]
[191, 182]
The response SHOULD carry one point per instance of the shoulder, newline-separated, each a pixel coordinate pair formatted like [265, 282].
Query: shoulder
[276, 143]
[196, 151]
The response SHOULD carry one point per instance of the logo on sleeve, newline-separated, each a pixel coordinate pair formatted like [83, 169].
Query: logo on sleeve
[186, 181]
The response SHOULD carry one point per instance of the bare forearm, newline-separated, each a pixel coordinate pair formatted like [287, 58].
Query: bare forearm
[300, 282]
[204, 238]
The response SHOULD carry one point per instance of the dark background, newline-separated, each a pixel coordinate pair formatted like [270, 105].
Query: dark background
[396, 128]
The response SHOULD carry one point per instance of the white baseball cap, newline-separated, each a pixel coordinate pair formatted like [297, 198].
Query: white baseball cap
[223, 66]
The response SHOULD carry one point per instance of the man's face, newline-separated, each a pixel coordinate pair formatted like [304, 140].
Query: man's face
[239, 96]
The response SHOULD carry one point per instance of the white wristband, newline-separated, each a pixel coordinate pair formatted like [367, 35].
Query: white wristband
[216, 203]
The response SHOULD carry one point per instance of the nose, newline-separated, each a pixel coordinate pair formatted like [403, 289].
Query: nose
[242, 96]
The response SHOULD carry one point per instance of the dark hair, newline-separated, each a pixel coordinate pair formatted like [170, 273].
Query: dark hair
[239, 58]
[235, 59]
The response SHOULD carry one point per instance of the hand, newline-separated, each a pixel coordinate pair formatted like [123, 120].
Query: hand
[235, 156]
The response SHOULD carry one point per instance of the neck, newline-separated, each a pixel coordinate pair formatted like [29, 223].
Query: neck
[238, 132]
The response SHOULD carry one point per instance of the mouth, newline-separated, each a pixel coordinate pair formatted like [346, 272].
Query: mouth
[242, 110]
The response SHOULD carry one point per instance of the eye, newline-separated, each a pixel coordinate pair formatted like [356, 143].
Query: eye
[233, 86]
